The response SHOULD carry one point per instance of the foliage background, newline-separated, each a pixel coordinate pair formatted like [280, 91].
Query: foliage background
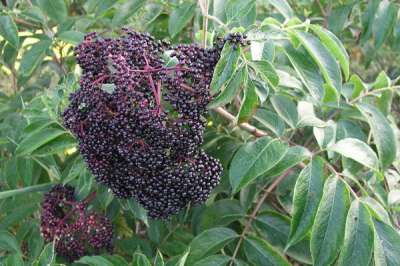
[322, 188]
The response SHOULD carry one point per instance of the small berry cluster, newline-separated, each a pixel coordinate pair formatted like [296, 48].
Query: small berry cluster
[236, 39]
[76, 232]
[140, 120]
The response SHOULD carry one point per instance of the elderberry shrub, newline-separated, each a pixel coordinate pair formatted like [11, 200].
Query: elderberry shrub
[140, 123]
[76, 231]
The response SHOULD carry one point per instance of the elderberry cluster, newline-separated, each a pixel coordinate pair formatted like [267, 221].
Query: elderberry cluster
[139, 116]
[76, 232]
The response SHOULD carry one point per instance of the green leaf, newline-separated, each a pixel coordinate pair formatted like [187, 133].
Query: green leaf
[260, 252]
[55, 9]
[307, 71]
[382, 132]
[325, 136]
[357, 150]
[118, 260]
[307, 116]
[97, 261]
[37, 139]
[32, 58]
[128, 9]
[386, 245]
[275, 228]
[283, 7]
[214, 260]
[249, 103]
[180, 17]
[158, 260]
[271, 121]
[140, 259]
[358, 238]
[138, 211]
[306, 197]
[8, 242]
[254, 159]
[208, 242]
[338, 16]
[328, 230]
[266, 71]
[328, 66]
[334, 46]
[232, 89]
[225, 67]
[367, 20]
[35, 188]
[9, 31]
[47, 256]
[14, 260]
[71, 36]
[385, 18]
[286, 109]
[183, 258]
[293, 156]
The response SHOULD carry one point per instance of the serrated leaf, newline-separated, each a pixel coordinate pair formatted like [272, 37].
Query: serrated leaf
[54, 9]
[385, 18]
[283, 7]
[225, 67]
[260, 252]
[37, 139]
[140, 259]
[307, 116]
[9, 31]
[386, 245]
[275, 228]
[32, 58]
[358, 238]
[126, 10]
[382, 132]
[208, 242]
[308, 72]
[271, 121]
[214, 260]
[286, 109]
[180, 17]
[138, 211]
[71, 36]
[232, 89]
[96, 261]
[328, 230]
[325, 136]
[335, 46]
[47, 256]
[306, 197]
[357, 150]
[8, 242]
[249, 103]
[254, 159]
[293, 156]
[266, 71]
[328, 66]
[158, 260]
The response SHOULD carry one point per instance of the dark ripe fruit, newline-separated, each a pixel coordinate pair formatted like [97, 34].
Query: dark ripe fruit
[140, 123]
[75, 231]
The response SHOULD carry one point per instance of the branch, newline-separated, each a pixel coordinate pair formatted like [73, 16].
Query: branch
[206, 15]
[253, 215]
[245, 126]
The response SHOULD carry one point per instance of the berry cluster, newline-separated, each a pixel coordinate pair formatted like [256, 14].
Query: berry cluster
[76, 232]
[140, 119]
[236, 39]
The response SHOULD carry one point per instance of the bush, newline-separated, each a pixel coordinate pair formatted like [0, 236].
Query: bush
[241, 133]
